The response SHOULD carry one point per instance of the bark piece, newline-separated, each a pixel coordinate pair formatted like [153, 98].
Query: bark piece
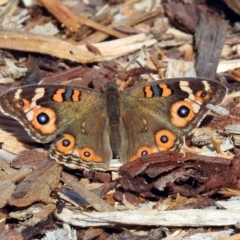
[188, 175]
[184, 16]
[96, 176]
[134, 168]
[31, 159]
[209, 39]
[37, 186]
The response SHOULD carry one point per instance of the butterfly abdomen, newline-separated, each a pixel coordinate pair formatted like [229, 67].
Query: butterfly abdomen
[113, 110]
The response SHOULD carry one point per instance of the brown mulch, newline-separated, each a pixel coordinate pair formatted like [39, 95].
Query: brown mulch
[166, 195]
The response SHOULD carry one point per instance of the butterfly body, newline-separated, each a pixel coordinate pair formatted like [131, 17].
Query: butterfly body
[95, 126]
[113, 112]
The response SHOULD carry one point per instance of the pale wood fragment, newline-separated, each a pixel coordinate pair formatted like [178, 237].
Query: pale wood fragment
[6, 188]
[12, 145]
[177, 235]
[229, 192]
[23, 41]
[210, 235]
[228, 65]
[100, 27]
[29, 42]
[72, 22]
[24, 213]
[40, 216]
[234, 5]
[120, 47]
[174, 42]
[6, 167]
[7, 156]
[178, 218]
[232, 203]
[233, 237]
[3, 2]
[17, 176]
[179, 68]
[135, 18]
[66, 233]
[11, 70]
[11, 6]
[113, 45]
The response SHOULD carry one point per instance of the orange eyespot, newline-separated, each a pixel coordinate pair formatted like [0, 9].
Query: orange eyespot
[88, 155]
[22, 104]
[66, 144]
[142, 151]
[165, 139]
[44, 120]
[181, 113]
[202, 96]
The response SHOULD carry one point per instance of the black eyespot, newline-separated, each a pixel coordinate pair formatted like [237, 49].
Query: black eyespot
[43, 118]
[144, 153]
[65, 143]
[183, 111]
[203, 94]
[21, 103]
[87, 154]
[164, 139]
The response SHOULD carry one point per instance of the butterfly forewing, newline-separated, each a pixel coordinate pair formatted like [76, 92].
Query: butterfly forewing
[158, 115]
[75, 117]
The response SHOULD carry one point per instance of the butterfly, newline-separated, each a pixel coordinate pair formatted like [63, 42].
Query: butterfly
[88, 128]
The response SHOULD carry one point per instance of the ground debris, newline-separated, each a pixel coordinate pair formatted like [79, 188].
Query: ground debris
[193, 194]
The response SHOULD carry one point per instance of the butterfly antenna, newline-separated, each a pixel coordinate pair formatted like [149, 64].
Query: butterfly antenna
[73, 54]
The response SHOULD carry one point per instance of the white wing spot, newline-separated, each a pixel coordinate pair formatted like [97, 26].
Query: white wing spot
[18, 93]
[206, 85]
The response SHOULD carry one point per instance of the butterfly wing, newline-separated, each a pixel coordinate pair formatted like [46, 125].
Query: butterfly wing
[153, 117]
[78, 115]
[157, 116]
